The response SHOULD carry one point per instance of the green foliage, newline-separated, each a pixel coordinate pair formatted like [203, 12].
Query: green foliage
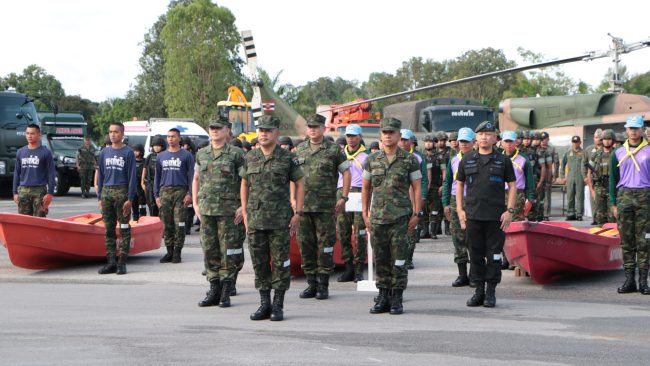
[37, 83]
[111, 110]
[544, 82]
[200, 58]
[639, 84]
[325, 91]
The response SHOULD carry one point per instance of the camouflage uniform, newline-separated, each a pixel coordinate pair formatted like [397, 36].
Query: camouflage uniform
[536, 160]
[552, 162]
[140, 203]
[150, 172]
[345, 222]
[172, 214]
[589, 153]
[86, 161]
[433, 207]
[112, 200]
[436, 216]
[30, 201]
[600, 178]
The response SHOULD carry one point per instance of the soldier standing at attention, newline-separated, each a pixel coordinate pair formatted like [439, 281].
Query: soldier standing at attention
[432, 209]
[86, 162]
[629, 193]
[149, 173]
[484, 214]
[268, 216]
[34, 171]
[571, 171]
[552, 167]
[216, 197]
[525, 180]
[173, 191]
[140, 203]
[598, 179]
[443, 153]
[540, 172]
[320, 161]
[453, 143]
[589, 152]
[356, 154]
[461, 257]
[388, 177]
[116, 190]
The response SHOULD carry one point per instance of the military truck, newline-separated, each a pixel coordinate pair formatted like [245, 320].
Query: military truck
[16, 112]
[63, 134]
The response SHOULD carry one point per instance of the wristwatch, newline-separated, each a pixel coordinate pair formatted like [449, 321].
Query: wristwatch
[345, 198]
[511, 210]
[421, 214]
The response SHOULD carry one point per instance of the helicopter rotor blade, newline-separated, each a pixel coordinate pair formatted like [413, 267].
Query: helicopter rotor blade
[251, 60]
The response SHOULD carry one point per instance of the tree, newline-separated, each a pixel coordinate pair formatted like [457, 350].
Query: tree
[37, 83]
[111, 110]
[544, 82]
[200, 58]
[639, 84]
[325, 91]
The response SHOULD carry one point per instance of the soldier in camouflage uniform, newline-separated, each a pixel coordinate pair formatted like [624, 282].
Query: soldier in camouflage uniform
[629, 193]
[442, 155]
[598, 179]
[149, 173]
[268, 216]
[454, 144]
[216, 198]
[589, 152]
[86, 163]
[540, 173]
[320, 161]
[552, 167]
[388, 175]
[432, 209]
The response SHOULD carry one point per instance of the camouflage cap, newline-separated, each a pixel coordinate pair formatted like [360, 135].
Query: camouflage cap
[315, 120]
[536, 136]
[428, 137]
[268, 121]
[390, 124]
[285, 140]
[442, 136]
[608, 134]
[453, 136]
[545, 135]
[620, 137]
[526, 135]
[220, 123]
[485, 126]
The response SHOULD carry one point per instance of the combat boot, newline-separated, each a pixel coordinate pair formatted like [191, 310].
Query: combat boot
[358, 272]
[462, 279]
[382, 302]
[490, 295]
[447, 230]
[176, 256]
[212, 296]
[310, 291]
[630, 282]
[121, 264]
[433, 230]
[424, 233]
[643, 282]
[168, 257]
[322, 288]
[264, 311]
[110, 266]
[277, 312]
[396, 307]
[233, 289]
[224, 302]
[348, 274]
[479, 295]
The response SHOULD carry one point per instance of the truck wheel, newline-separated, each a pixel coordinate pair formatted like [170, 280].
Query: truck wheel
[61, 186]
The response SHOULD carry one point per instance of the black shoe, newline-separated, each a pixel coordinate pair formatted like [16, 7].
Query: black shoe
[264, 311]
[233, 290]
[643, 282]
[490, 295]
[310, 291]
[322, 288]
[382, 302]
[396, 307]
[462, 279]
[504, 262]
[110, 266]
[121, 264]
[212, 296]
[277, 313]
[410, 265]
[358, 273]
[167, 258]
[447, 230]
[571, 218]
[205, 272]
[424, 233]
[224, 301]
[433, 228]
[348, 274]
[479, 295]
[593, 223]
[630, 283]
[578, 218]
[176, 256]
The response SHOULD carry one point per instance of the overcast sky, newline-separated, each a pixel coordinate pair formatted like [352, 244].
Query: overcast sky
[92, 46]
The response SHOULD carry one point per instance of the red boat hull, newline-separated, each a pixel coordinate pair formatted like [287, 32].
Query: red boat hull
[549, 251]
[41, 243]
[294, 255]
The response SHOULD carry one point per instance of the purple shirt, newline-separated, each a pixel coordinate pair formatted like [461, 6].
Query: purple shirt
[519, 165]
[454, 168]
[629, 176]
[356, 170]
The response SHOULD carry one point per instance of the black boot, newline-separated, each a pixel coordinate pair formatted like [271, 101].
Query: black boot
[322, 289]
[233, 289]
[382, 302]
[630, 282]
[462, 279]
[490, 295]
[224, 302]
[310, 291]
[277, 312]
[212, 296]
[110, 267]
[504, 262]
[121, 264]
[264, 311]
[396, 302]
[643, 282]
[433, 230]
[447, 230]
[424, 233]
[348, 274]
[168, 257]
[176, 256]
[358, 272]
[479, 295]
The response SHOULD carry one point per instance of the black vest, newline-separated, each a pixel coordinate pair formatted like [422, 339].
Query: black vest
[485, 186]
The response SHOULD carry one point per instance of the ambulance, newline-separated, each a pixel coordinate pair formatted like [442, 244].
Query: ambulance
[142, 132]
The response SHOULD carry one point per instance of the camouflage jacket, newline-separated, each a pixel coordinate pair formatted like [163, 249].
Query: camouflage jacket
[219, 179]
[268, 177]
[321, 168]
[601, 161]
[589, 151]
[441, 158]
[86, 158]
[390, 185]
[150, 169]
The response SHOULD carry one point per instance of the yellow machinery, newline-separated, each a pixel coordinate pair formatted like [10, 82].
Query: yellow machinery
[238, 110]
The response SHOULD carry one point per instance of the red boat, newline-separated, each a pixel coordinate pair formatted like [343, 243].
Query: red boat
[296, 260]
[41, 243]
[552, 250]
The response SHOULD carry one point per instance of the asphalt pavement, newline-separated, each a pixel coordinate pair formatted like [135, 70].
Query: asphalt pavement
[73, 316]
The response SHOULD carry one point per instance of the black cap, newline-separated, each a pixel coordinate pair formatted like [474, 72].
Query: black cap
[575, 138]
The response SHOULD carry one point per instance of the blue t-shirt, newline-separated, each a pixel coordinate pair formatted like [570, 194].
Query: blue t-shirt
[174, 169]
[117, 168]
[34, 168]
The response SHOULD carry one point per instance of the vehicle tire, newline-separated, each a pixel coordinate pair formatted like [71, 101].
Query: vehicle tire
[61, 186]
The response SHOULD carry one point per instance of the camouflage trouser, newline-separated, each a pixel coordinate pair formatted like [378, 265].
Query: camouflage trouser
[538, 208]
[30, 201]
[457, 235]
[390, 248]
[241, 237]
[634, 226]
[270, 256]
[172, 214]
[219, 239]
[113, 199]
[345, 221]
[316, 238]
[548, 193]
[520, 202]
[602, 207]
[139, 207]
[575, 191]
[151, 201]
[86, 179]
[433, 210]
